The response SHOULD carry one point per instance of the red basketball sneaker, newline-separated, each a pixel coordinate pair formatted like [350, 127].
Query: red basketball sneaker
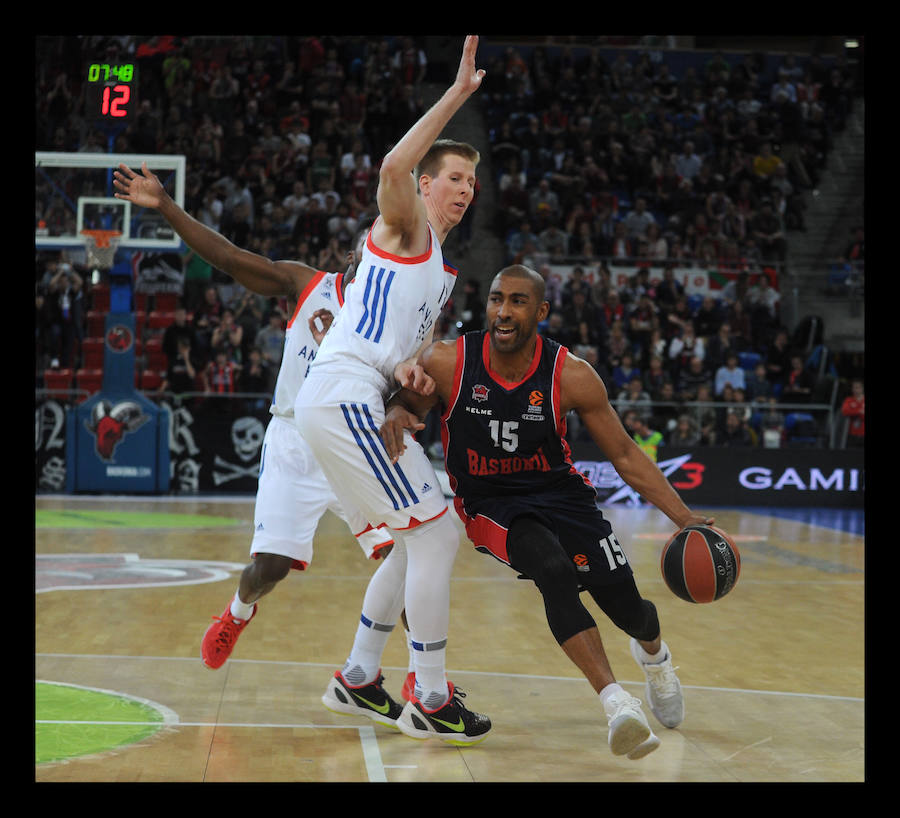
[219, 639]
[409, 686]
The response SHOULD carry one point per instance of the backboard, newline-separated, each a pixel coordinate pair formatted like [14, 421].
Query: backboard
[74, 192]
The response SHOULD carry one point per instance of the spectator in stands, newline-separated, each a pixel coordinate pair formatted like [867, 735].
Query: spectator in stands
[647, 439]
[634, 396]
[270, 339]
[685, 433]
[556, 329]
[228, 336]
[625, 370]
[798, 384]
[639, 220]
[853, 408]
[66, 294]
[778, 359]
[687, 163]
[207, 315]
[692, 378]
[655, 376]
[720, 345]
[182, 369]
[707, 319]
[759, 387]
[768, 232]
[684, 348]
[179, 329]
[220, 376]
[256, 377]
[730, 373]
[734, 433]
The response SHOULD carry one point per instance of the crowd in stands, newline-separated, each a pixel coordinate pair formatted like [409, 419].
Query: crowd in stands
[595, 160]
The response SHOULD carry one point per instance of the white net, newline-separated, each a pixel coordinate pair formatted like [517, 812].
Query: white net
[100, 247]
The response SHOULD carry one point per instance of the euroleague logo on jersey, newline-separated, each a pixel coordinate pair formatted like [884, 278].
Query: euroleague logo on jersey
[536, 398]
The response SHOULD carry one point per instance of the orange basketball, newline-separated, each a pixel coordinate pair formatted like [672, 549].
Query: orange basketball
[700, 563]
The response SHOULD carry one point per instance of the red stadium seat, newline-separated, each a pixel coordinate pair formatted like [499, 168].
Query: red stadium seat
[58, 379]
[92, 353]
[157, 319]
[96, 324]
[165, 302]
[151, 380]
[89, 380]
[100, 297]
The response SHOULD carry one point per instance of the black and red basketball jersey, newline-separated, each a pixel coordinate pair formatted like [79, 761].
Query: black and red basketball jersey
[504, 438]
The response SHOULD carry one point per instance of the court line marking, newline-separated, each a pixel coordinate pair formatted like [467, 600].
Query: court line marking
[524, 676]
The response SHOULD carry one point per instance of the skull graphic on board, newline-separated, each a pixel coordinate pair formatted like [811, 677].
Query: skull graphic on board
[247, 436]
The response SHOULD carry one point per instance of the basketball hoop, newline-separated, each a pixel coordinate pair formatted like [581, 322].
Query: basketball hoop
[100, 247]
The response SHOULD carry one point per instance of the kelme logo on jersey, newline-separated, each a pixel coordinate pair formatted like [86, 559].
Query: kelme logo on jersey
[480, 392]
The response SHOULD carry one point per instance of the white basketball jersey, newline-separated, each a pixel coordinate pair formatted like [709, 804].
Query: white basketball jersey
[388, 313]
[300, 348]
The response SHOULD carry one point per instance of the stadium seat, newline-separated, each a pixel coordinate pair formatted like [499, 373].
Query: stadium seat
[58, 379]
[800, 429]
[156, 358]
[92, 352]
[165, 302]
[88, 380]
[95, 324]
[100, 297]
[749, 360]
[157, 319]
[150, 380]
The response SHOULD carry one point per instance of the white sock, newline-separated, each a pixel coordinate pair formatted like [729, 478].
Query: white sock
[381, 609]
[364, 662]
[431, 550]
[241, 610]
[654, 658]
[411, 667]
[610, 690]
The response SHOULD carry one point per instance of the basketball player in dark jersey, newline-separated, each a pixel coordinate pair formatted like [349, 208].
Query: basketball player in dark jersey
[505, 394]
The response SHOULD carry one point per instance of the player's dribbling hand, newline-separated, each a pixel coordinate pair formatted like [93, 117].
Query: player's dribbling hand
[396, 421]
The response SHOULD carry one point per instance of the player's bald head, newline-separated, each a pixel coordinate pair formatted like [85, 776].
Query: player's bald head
[533, 278]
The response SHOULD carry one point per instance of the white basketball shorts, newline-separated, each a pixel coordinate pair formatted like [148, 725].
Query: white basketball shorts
[340, 420]
[292, 496]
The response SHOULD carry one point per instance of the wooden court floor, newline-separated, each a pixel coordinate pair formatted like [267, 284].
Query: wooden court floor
[773, 674]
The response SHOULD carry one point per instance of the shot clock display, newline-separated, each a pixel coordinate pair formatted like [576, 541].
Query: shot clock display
[111, 92]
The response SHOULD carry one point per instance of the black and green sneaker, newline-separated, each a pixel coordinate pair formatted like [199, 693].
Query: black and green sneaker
[452, 722]
[370, 700]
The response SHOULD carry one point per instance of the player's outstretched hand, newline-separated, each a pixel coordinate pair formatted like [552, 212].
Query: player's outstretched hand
[396, 421]
[143, 190]
[468, 78]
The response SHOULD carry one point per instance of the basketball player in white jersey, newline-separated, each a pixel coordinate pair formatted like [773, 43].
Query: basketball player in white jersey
[402, 282]
[292, 494]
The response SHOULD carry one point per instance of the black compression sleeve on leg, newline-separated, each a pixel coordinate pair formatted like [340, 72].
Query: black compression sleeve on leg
[535, 551]
[627, 610]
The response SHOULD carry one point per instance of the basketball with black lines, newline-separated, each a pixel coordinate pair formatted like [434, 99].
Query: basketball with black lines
[700, 564]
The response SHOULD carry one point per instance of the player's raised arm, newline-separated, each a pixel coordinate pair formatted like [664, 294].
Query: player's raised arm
[401, 210]
[253, 271]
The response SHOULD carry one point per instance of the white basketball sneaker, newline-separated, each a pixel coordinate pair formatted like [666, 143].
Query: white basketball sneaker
[628, 727]
[663, 689]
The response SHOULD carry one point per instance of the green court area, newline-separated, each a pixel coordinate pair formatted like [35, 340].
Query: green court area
[68, 518]
[73, 721]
